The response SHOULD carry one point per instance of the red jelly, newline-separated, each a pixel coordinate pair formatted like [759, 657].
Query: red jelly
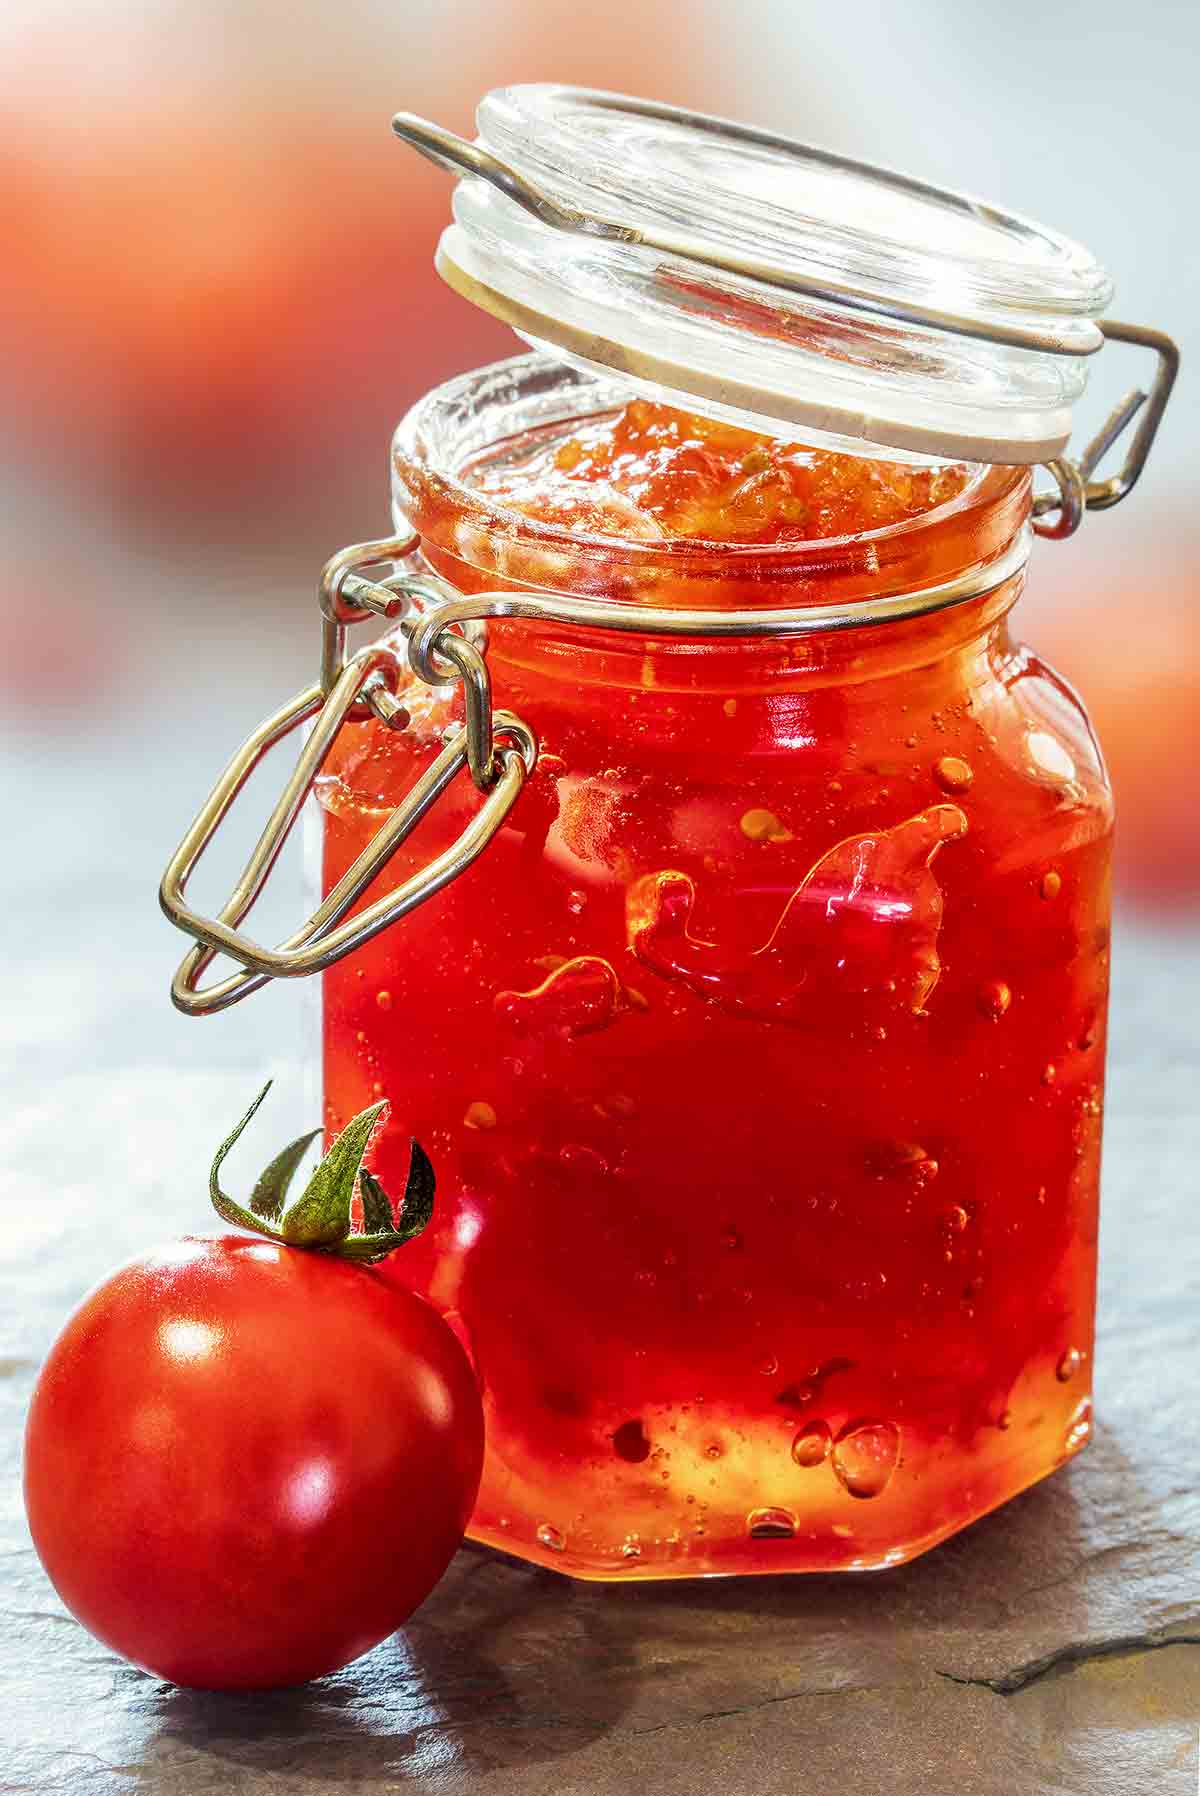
[654, 472]
[760, 1056]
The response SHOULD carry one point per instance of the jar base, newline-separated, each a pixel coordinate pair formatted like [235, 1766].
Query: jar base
[766, 1554]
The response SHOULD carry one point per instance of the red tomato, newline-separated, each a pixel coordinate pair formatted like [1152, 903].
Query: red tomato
[245, 1463]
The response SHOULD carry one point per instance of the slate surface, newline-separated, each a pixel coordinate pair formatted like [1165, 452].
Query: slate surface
[1054, 1648]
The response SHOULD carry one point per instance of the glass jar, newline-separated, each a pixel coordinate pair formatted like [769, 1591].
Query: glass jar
[760, 1056]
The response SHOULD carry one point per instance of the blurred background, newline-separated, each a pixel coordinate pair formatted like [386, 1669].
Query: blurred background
[219, 298]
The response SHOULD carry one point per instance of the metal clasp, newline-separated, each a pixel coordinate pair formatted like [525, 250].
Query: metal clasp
[1058, 515]
[497, 747]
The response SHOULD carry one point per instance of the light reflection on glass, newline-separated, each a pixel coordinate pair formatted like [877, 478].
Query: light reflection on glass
[1048, 755]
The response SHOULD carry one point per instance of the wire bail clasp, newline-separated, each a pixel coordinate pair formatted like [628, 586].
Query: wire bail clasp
[497, 748]
[1058, 515]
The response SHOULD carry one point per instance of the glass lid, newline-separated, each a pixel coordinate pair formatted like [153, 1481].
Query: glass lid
[781, 285]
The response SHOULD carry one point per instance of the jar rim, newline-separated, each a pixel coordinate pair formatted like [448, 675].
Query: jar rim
[456, 423]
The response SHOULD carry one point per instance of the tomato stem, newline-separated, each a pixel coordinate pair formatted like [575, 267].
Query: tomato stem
[321, 1217]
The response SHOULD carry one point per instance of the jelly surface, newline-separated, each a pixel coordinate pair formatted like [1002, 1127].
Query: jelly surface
[760, 1058]
[653, 471]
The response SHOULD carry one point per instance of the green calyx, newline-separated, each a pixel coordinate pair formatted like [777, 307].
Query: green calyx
[320, 1216]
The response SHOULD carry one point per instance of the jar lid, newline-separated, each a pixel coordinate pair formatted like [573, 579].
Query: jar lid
[777, 284]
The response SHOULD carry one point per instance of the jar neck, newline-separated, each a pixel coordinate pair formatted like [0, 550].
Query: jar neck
[844, 653]
[479, 544]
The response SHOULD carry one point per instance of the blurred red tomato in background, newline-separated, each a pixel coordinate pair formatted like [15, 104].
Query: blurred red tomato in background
[1127, 635]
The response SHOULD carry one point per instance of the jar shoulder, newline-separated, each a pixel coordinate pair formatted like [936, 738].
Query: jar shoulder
[1044, 734]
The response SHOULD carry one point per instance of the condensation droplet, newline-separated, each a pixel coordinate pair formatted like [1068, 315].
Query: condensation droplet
[812, 1445]
[865, 1456]
[576, 903]
[384, 1000]
[376, 1089]
[955, 1219]
[714, 1450]
[1068, 1365]
[952, 773]
[1049, 1073]
[479, 1116]
[771, 1524]
[632, 1548]
[551, 1537]
[730, 707]
[1051, 884]
[1004, 1419]
[994, 998]
[769, 1366]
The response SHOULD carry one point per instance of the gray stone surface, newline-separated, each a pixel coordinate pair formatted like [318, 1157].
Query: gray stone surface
[1054, 1648]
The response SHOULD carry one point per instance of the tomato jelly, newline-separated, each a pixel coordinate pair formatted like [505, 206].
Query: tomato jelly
[760, 1058]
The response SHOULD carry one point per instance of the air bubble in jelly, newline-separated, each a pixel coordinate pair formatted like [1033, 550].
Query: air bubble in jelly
[953, 774]
[812, 1445]
[994, 998]
[631, 1442]
[865, 1456]
[764, 826]
[770, 1524]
